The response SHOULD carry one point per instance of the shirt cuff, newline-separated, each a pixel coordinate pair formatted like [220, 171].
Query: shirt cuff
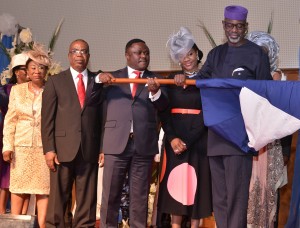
[97, 80]
[155, 96]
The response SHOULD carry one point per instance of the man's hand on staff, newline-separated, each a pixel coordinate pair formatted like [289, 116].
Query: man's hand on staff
[106, 78]
[153, 85]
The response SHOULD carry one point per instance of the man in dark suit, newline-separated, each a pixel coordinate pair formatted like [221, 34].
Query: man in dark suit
[71, 133]
[130, 136]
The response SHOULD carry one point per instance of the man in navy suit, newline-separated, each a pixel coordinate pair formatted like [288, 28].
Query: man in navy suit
[130, 136]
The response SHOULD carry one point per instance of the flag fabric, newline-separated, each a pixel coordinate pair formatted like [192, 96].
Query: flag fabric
[4, 61]
[294, 214]
[222, 112]
[252, 113]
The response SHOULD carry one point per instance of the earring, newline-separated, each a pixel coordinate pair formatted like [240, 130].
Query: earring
[198, 58]
[179, 64]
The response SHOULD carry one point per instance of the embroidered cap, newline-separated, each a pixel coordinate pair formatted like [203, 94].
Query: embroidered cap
[236, 13]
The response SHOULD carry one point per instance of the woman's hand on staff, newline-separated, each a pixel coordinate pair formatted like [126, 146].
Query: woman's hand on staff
[179, 79]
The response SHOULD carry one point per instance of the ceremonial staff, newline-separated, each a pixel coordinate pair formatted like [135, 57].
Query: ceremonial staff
[144, 81]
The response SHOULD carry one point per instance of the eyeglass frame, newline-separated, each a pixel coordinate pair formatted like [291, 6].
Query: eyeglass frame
[22, 68]
[238, 26]
[77, 52]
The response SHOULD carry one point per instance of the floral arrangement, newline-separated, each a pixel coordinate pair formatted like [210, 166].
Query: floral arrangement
[5, 76]
[22, 42]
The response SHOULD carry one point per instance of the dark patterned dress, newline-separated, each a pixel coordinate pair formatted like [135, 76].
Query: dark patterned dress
[185, 187]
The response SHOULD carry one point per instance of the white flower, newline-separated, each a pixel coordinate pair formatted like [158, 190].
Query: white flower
[26, 36]
[55, 68]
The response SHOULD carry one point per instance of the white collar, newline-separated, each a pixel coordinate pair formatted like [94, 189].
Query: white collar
[75, 73]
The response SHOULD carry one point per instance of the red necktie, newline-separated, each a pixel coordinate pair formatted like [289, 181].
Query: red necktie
[80, 90]
[135, 85]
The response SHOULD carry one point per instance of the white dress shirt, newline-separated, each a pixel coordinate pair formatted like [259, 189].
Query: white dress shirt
[76, 79]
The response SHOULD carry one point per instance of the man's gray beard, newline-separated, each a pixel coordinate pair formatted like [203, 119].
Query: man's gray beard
[234, 41]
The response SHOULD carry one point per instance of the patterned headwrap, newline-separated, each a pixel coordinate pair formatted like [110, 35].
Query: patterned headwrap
[266, 41]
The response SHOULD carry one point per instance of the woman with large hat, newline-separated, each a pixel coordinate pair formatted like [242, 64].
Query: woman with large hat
[22, 145]
[185, 188]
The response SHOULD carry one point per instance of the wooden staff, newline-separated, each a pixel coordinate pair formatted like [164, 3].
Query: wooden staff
[144, 81]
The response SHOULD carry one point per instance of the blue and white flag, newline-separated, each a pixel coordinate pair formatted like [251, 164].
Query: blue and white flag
[250, 113]
[253, 113]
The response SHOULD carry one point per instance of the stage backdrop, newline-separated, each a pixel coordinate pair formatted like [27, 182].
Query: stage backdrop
[108, 24]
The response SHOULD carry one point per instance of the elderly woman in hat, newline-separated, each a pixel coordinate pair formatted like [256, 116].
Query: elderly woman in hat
[22, 145]
[18, 69]
[18, 76]
[268, 170]
[185, 188]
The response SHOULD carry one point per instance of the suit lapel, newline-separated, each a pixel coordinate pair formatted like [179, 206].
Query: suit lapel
[72, 86]
[125, 87]
[89, 88]
[69, 83]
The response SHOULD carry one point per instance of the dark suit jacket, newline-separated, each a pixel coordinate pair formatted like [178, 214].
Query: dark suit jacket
[3, 109]
[65, 126]
[121, 110]
[3, 99]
